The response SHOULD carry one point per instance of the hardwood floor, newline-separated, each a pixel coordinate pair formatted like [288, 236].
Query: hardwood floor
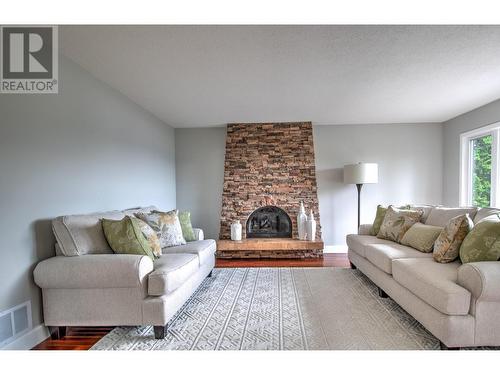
[83, 338]
[77, 338]
[328, 260]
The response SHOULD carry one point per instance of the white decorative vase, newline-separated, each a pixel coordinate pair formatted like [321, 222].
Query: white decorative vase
[236, 231]
[301, 222]
[311, 227]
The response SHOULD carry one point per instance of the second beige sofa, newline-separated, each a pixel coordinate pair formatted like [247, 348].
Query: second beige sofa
[458, 303]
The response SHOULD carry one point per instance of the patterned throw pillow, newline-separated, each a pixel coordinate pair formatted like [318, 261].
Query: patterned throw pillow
[379, 218]
[483, 242]
[166, 225]
[125, 236]
[421, 237]
[448, 243]
[150, 236]
[187, 228]
[397, 222]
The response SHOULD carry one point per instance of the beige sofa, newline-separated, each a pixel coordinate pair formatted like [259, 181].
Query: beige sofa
[458, 303]
[86, 284]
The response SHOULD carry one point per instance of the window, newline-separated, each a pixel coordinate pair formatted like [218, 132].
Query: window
[479, 169]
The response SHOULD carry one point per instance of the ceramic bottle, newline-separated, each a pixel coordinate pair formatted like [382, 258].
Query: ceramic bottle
[236, 231]
[311, 227]
[301, 222]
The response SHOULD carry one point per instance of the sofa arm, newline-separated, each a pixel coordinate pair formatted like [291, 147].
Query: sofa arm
[93, 271]
[482, 279]
[365, 229]
[198, 234]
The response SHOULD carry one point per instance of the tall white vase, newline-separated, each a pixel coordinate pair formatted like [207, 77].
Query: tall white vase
[311, 227]
[301, 222]
[236, 231]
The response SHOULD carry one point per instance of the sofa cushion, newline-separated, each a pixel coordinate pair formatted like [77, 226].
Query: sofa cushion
[440, 216]
[358, 243]
[484, 212]
[425, 208]
[170, 272]
[204, 249]
[382, 255]
[97, 271]
[365, 229]
[434, 283]
[83, 234]
[137, 210]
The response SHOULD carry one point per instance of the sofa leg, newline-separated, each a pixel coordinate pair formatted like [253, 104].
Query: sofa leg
[210, 274]
[57, 333]
[442, 346]
[160, 332]
[381, 293]
[353, 266]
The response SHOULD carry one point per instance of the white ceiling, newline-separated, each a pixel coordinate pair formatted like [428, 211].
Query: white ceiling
[195, 76]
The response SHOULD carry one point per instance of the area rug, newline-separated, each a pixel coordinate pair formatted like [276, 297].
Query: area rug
[281, 309]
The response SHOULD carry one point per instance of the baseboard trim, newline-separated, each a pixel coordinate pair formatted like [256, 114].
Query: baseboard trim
[29, 339]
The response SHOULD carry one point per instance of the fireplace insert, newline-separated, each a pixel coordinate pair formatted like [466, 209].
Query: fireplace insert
[269, 222]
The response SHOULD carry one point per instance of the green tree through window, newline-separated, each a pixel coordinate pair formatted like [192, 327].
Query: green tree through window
[481, 171]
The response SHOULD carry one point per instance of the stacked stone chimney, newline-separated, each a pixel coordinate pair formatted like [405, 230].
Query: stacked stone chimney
[268, 164]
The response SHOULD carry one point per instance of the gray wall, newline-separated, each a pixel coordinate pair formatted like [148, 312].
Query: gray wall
[452, 129]
[199, 157]
[410, 171]
[86, 149]
[409, 157]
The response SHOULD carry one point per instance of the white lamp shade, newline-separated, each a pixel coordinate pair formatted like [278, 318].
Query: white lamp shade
[361, 173]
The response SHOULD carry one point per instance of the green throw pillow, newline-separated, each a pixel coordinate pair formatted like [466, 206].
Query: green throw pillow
[421, 237]
[483, 241]
[397, 222]
[379, 218]
[125, 236]
[187, 228]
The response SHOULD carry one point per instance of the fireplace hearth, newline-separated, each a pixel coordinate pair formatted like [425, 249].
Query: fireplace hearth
[269, 222]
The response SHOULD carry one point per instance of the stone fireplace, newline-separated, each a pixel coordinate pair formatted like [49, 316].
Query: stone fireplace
[269, 169]
[269, 222]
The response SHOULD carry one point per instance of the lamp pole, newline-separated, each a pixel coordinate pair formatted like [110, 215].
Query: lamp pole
[359, 186]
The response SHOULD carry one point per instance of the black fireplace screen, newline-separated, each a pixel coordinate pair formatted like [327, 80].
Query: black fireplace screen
[269, 222]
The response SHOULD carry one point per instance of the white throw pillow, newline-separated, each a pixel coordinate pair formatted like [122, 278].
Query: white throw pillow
[166, 225]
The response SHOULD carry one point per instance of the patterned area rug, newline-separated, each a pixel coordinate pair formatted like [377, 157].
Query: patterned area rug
[281, 309]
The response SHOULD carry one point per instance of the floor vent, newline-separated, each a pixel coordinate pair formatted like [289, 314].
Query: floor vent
[15, 322]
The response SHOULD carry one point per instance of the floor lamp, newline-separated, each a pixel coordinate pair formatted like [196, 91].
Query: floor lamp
[359, 174]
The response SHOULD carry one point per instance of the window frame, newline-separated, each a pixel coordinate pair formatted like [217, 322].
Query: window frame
[466, 163]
